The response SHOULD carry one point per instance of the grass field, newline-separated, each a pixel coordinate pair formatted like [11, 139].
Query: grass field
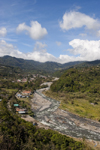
[9, 90]
[78, 103]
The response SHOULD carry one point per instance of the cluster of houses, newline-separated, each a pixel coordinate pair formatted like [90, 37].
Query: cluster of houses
[24, 94]
[32, 78]
[20, 110]
[23, 112]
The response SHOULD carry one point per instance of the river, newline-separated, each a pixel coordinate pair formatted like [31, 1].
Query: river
[64, 121]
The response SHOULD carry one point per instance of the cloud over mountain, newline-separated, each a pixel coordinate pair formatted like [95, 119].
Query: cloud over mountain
[9, 49]
[81, 50]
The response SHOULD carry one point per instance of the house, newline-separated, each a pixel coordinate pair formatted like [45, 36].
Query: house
[18, 80]
[16, 105]
[21, 111]
[23, 96]
[18, 95]
[27, 93]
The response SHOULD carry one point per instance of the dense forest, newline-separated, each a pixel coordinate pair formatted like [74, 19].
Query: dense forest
[17, 134]
[74, 80]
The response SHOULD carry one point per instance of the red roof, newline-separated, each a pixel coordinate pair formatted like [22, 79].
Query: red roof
[26, 92]
[18, 109]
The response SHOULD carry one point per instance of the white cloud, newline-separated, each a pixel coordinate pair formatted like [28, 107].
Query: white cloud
[58, 43]
[88, 50]
[75, 19]
[9, 49]
[39, 52]
[36, 32]
[3, 32]
[81, 50]
[41, 56]
[66, 58]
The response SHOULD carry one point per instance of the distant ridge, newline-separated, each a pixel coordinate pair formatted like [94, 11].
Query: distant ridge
[30, 65]
[35, 65]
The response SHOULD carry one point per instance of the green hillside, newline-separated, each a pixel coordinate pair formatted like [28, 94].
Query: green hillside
[74, 80]
[9, 71]
[78, 90]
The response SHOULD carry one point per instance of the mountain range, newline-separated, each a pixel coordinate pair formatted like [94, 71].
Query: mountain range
[31, 65]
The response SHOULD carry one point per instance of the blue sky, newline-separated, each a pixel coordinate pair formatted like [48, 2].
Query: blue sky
[50, 30]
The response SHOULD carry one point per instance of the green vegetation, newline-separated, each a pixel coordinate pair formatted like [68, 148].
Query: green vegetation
[17, 134]
[76, 93]
[8, 71]
[79, 91]
[74, 80]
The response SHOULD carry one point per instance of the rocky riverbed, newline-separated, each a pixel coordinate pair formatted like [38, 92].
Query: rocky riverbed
[47, 112]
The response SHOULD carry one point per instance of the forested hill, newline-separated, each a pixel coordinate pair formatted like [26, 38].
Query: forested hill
[28, 65]
[74, 80]
[77, 65]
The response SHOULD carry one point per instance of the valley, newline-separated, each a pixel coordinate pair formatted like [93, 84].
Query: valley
[49, 104]
[64, 121]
